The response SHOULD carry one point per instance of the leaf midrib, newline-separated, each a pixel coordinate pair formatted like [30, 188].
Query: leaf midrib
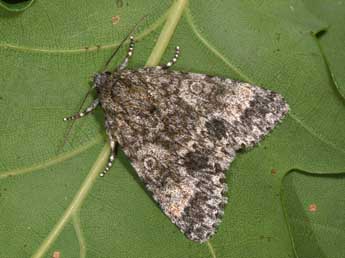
[174, 14]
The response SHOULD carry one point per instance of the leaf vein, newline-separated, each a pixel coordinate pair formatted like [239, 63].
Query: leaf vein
[79, 233]
[75, 204]
[213, 49]
[51, 162]
[140, 36]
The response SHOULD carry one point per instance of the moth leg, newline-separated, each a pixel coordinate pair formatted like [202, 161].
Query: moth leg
[129, 54]
[113, 151]
[173, 60]
[88, 110]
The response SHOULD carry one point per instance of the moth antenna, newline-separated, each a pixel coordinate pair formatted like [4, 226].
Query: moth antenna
[124, 64]
[173, 60]
[123, 41]
[69, 128]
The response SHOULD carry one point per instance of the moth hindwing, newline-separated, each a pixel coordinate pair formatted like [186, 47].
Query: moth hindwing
[181, 131]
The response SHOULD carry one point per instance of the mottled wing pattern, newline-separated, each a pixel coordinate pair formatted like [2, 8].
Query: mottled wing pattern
[181, 131]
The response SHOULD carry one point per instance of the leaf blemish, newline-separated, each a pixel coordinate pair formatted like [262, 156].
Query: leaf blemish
[115, 19]
[274, 171]
[56, 254]
[312, 207]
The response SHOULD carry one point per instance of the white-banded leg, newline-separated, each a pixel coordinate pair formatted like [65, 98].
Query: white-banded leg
[113, 150]
[129, 54]
[88, 110]
[174, 59]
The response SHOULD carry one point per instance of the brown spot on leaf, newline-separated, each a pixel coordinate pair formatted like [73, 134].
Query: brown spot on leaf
[115, 19]
[274, 171]
[56, 254]
[312, 207]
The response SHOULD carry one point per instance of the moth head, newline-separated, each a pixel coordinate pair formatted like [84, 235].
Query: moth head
[99, 79]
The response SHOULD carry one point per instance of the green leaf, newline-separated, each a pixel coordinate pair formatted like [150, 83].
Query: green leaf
[55, 202]
[332, 12]
[314, 205]
[315, 210]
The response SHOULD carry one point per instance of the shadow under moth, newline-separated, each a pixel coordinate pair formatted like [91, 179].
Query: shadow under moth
[181, 131]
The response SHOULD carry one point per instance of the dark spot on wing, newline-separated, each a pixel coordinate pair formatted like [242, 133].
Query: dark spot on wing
[259, 107]
[216, 127]
[196, 161]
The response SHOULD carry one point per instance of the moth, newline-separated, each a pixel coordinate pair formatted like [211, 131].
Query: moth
[181, 131]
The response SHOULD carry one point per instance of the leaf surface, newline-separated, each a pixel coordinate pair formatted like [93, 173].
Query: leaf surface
[315, 211]
[332, 42]
[14, 5]
[55, 202]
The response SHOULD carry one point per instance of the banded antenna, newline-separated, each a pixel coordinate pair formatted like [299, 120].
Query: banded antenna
[123, 41]
[69, 129]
